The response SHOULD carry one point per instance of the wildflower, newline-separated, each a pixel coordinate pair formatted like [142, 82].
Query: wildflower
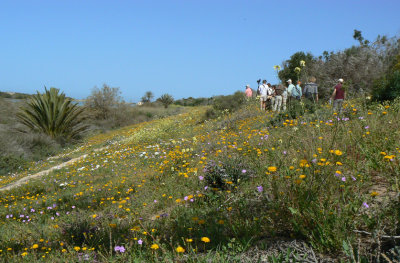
[24, 254]
[120, 249]
[302, 176]
[302, 63]
[94, 216]
[205, 239]
[365, 205]
[201, 178]
[154, 247]
[180, 249]
[260, 188]
[344, 179]
[35, 246]
[338, 152]
[77, 249]
[140, 241]
[373, 194]
[244, 171]
[272, 169]
[189, 240]
[63, 250]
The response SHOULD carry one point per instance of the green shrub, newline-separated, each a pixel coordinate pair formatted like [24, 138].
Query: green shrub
[53, 114]
[230, 103]
[387, 87]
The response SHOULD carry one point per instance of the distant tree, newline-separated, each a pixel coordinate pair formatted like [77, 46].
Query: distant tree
[166, 100]
[289, 66]
[102, 102]
[53, 114]
[148, 96]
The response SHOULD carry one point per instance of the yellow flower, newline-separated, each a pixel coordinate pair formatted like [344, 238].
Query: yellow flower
[24, 254]
[205, 239]
[297, 69]
[77, 248]
[302, 176]
[35, 246]
[63, 250]
[180, 249]
[338, 152]
[302, 63]
[272, 169]
[154, 246]
[374, 193]
[94, 216]
[189, 240]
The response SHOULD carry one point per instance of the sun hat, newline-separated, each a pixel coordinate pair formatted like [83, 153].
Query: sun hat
[340, 80]
[247, 85]
[289, 80]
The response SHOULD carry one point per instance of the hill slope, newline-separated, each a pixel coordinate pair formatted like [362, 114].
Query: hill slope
[179, 187]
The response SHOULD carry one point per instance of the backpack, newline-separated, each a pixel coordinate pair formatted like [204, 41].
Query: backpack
[278, 91]
[258, 91]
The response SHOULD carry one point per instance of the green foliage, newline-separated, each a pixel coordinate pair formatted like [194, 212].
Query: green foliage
[289, 66]
[230, 102]
[226, 173]
[387, 87]
[166, 100]
[53, 114]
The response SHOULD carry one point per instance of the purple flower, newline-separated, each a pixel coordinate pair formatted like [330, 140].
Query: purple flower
[344, 179]
[140, 241]
[366, 127]
[244, 171]
[284, 152]
[361, 118]
[201, 178]
[354, 179]
[155, 201]
[206, 187]
[365, 205]
[58, 214]
[260, 189]
[185, 198]
[52, 218]
[21, 215]
[314, 160]
[7, 216]
[32, 210]
[73, 207]
[337, 174]
[119, 249]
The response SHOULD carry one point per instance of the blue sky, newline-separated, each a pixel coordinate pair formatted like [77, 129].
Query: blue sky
[184, 48]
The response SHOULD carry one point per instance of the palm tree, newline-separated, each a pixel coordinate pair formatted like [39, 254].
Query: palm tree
[149, 96]
[53, 114]
[166, 100]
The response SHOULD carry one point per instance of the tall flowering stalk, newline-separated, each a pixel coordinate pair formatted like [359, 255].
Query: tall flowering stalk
[277, 68]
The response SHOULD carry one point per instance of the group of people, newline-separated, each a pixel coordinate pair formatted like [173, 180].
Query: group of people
[275, 97]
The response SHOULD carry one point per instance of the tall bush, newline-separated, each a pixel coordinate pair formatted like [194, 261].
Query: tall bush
[54, 114]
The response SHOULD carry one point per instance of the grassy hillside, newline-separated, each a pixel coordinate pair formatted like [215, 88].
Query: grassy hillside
[224, 190]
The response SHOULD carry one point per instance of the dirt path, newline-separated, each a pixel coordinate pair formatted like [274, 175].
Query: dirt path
[45, 172]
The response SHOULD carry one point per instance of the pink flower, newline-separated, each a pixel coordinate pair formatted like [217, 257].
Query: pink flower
[120, 249]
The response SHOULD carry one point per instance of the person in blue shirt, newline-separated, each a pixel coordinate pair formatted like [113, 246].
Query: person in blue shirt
[296, 91]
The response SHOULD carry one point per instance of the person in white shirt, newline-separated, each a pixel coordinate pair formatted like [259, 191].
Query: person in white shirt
[263, 89]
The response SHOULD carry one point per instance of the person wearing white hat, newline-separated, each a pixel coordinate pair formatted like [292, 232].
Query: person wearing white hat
[290, 87]
[338, 96]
